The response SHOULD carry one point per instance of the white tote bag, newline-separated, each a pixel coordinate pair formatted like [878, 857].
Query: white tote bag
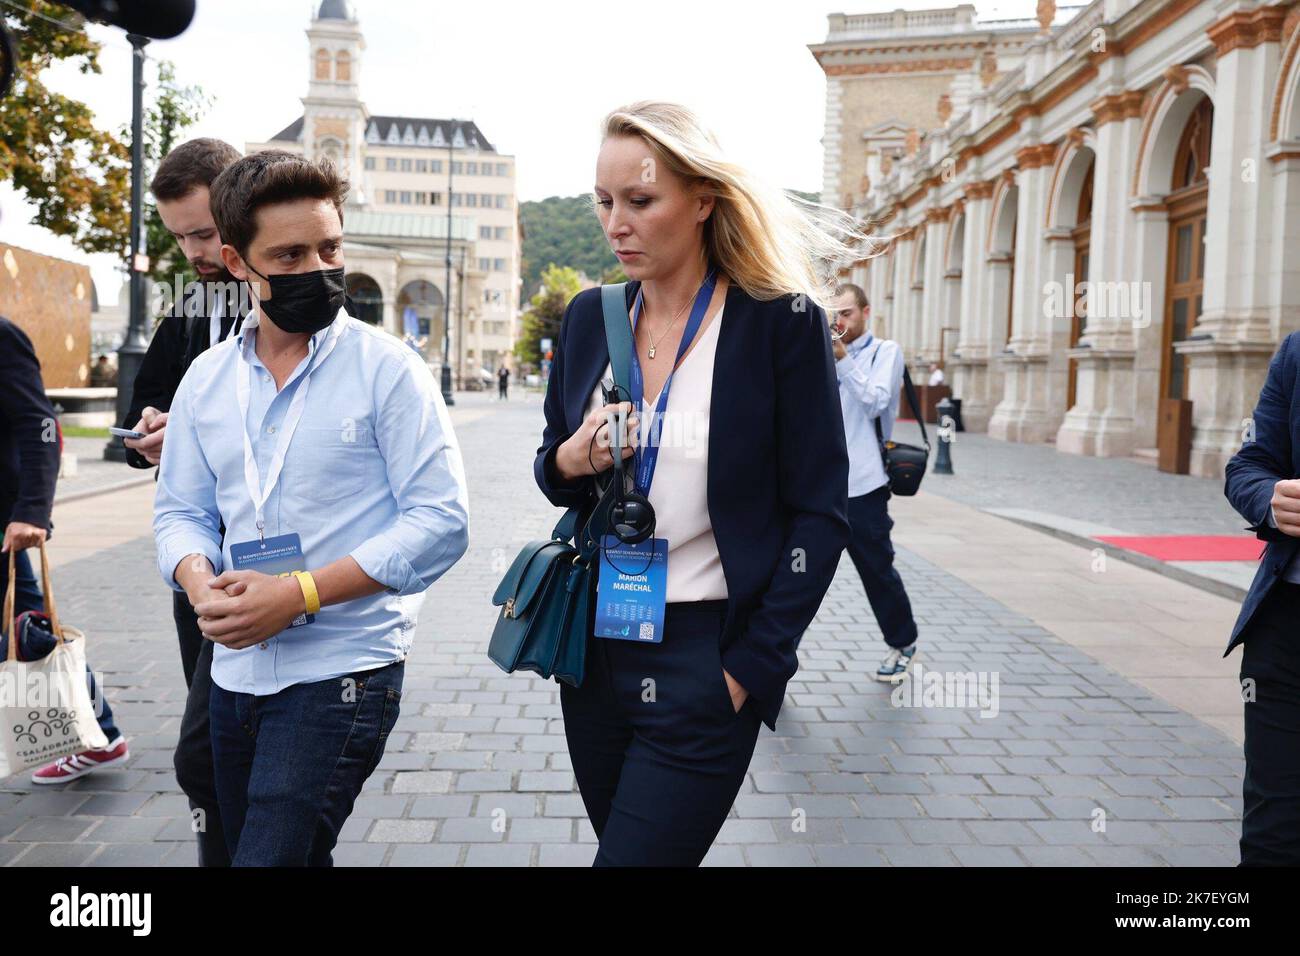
[45, 705]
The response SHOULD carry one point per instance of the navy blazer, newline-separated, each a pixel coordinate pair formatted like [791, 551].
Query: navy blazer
[29, 460]
[1262, 462]
[777, 476]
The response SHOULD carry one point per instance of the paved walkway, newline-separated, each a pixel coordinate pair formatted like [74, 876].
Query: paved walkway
[1083, 763]
[91, 474]
[1092, 500]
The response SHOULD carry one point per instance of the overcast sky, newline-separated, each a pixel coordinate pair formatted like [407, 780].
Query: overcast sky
[537, 78]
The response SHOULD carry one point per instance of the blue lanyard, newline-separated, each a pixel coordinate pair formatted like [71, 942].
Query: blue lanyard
[645, 469]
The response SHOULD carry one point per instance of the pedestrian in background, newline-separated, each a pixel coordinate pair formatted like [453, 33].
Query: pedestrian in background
[870, 374]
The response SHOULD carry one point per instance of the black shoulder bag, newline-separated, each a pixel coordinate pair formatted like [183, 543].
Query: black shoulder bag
[904, 464]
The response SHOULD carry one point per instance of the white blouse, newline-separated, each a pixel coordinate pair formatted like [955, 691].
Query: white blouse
[679, 491]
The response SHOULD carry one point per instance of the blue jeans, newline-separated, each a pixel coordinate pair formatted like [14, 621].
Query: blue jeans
[35, 644]
[289, 766]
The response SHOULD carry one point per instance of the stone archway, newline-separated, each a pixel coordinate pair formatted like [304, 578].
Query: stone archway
[367, 298]
[421, 317]
[1068, 232]
[1167, 198]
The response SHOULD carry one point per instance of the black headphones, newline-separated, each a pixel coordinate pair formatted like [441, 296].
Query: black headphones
[631, 516]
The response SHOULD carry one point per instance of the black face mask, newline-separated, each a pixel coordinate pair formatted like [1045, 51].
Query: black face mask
[304, 302]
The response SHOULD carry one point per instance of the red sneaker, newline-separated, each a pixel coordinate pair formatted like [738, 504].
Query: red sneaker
[72, 766]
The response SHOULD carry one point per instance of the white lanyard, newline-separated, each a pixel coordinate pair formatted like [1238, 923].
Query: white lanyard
[243, 388]
[214, 321]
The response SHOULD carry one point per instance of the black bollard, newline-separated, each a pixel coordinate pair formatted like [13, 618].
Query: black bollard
[947, 425]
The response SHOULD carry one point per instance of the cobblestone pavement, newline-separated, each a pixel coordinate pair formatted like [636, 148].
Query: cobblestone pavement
[93, 473]
[1118, 492]
[847, 779]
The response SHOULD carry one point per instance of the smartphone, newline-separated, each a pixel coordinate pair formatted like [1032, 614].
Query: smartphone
[126, 433]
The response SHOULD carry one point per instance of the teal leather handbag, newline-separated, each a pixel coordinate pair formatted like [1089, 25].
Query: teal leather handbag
[545, 596]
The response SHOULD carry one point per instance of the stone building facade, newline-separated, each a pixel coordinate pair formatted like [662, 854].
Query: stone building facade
[1099, 239]
[407, 175]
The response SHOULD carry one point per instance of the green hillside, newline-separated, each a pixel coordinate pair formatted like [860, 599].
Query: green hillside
[563, 230]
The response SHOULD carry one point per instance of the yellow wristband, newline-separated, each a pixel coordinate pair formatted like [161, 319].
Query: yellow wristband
[308, 585]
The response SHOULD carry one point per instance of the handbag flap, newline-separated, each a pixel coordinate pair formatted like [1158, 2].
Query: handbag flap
[528, 571]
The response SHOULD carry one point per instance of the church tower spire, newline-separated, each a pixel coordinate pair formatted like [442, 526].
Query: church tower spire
[334, 118]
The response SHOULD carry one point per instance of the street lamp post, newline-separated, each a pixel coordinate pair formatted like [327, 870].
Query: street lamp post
[460, 316]
[136, 343]
[447, 397]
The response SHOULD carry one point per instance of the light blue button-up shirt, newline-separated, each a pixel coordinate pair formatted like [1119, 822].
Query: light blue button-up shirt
[373, 472]
[870, 376]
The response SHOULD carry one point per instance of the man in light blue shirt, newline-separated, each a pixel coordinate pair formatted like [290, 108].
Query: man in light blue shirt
[870, 373]
[324, 448]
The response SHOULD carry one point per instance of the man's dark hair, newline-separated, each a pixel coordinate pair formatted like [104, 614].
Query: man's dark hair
[190, 165]
[858, 295]
[266, 178]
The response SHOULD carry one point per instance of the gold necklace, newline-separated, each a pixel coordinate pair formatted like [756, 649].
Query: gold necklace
[654, 343]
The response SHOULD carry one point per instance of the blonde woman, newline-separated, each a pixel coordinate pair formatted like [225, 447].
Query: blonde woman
[748, 487]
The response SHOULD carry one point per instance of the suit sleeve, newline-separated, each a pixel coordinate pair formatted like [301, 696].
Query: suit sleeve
[158, 378]
[561, 493]
[1264, 461]
[813, 479]
[33, 425]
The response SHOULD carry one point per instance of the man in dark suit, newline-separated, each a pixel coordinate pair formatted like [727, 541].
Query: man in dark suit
[180, 188]
[1263, 484]
[29, 462]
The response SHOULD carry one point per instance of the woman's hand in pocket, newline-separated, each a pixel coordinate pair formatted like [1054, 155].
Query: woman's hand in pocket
[738, 694]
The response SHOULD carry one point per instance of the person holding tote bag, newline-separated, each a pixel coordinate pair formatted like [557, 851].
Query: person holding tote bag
[46, 708]
[735, 477]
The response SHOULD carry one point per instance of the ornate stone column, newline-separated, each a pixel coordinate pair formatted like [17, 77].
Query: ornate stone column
[1102, 419]
[932, 297]
[1230, 346]
[1022, 415]
[970, 374]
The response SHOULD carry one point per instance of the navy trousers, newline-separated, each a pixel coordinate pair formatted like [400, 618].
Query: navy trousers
[289, 765]
[873, 555]
[658, 750]
[1270, 660]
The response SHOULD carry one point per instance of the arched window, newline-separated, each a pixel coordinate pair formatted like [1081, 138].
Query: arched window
[343, 67]
[1193, 153]
[322, 64]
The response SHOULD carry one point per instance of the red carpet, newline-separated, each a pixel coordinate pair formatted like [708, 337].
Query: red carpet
[1191, 547]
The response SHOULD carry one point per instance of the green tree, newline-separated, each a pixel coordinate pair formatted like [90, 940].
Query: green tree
[562, 229]
[75, 174]
[545, 310]
[613, 275]
[174, 109]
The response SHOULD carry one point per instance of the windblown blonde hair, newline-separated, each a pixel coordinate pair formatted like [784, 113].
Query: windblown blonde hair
[770, 243]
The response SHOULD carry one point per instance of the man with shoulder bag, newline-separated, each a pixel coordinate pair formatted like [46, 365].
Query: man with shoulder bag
[870, 372]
